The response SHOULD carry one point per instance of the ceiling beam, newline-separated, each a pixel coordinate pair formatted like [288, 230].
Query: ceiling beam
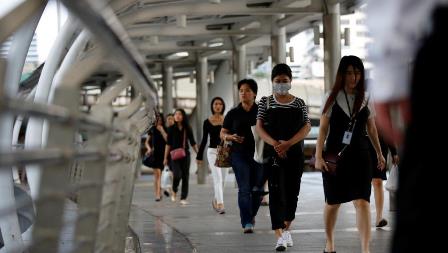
[193, 30]
[230, 7]
[165, 47]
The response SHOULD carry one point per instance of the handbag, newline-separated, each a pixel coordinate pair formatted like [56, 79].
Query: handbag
[223, 155]
[331, 160]
[179, 153]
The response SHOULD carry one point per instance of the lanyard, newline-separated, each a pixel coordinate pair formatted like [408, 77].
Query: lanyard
[352, 123]
[348, 104]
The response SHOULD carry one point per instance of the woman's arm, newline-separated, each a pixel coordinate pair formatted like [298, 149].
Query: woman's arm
[264, 135]
[167, 153]
[148, 147]
[162, 132]
[195, 148]
[373, 135]
[205, 133]
[284, 146]
[323, 131]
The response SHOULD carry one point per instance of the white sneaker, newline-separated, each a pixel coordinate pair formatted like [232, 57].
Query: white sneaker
[287, 238]
[280, 245]
[183, 202]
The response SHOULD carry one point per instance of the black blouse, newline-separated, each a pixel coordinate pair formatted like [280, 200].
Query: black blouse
[238, 121]
[209, 129]
[176, 137]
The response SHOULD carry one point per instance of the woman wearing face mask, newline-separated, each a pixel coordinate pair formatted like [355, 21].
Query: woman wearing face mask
[283, 123]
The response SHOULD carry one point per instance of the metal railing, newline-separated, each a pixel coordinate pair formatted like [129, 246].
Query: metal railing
[80, 166]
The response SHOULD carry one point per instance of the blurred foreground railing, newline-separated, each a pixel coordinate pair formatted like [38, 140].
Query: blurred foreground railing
[85, 160]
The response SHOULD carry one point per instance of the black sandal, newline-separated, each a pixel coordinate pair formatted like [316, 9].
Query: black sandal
[381, 223]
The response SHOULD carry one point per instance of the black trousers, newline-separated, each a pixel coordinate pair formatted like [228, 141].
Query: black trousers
[284, 177]
[181, 171]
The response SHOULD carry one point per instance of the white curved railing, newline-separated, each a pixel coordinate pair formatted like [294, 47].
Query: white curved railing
[90, 157]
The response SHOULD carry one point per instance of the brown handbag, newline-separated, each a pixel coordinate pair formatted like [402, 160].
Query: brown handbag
[223, 155]
[331, 160]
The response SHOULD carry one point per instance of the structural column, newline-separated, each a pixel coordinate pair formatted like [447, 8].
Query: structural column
[240, 69]
[201, 107]
[167, 89]
[278, 41]
[332, 44]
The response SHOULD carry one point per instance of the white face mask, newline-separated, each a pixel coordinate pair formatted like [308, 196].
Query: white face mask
[281, 88]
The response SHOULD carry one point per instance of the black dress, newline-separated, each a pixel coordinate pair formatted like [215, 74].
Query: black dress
[352, 179]
[158, 147]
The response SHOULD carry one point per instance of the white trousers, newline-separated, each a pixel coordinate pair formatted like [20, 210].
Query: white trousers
[219, 175]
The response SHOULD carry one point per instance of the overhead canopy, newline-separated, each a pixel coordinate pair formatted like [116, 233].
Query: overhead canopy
[213, 28]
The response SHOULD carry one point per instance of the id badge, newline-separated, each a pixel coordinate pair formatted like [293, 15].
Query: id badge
[347, 137]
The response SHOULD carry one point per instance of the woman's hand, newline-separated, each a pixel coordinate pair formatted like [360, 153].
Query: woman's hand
[320, 164]
[160, 127]
[395, 159]
[199, 162]
[281, 148]
[148, 151]
[381, 161]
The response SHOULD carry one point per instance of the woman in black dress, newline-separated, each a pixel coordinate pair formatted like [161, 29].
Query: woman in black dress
[155, 148]
[349, 122]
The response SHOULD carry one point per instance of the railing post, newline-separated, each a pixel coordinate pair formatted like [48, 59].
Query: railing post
[92, 183]
[125, 199]
[54, 181]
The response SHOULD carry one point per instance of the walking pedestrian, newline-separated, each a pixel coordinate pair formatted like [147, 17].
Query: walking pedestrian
[212, 127]
[248, 173]
[155, 146]
[346, 124]
[283, 124]
[179, 135]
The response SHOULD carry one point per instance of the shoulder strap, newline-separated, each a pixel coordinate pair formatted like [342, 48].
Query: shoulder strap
[185, 137]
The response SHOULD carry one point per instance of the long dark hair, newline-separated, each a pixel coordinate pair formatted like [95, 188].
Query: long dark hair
[339, 83]
[223, 104]
[159, 116]
[185, 123]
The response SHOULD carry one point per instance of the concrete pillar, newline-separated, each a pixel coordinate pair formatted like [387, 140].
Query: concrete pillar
[240, 69]
[242, 66]
[167, 89]
[278, 41]
[332, 44]
[201, 108]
